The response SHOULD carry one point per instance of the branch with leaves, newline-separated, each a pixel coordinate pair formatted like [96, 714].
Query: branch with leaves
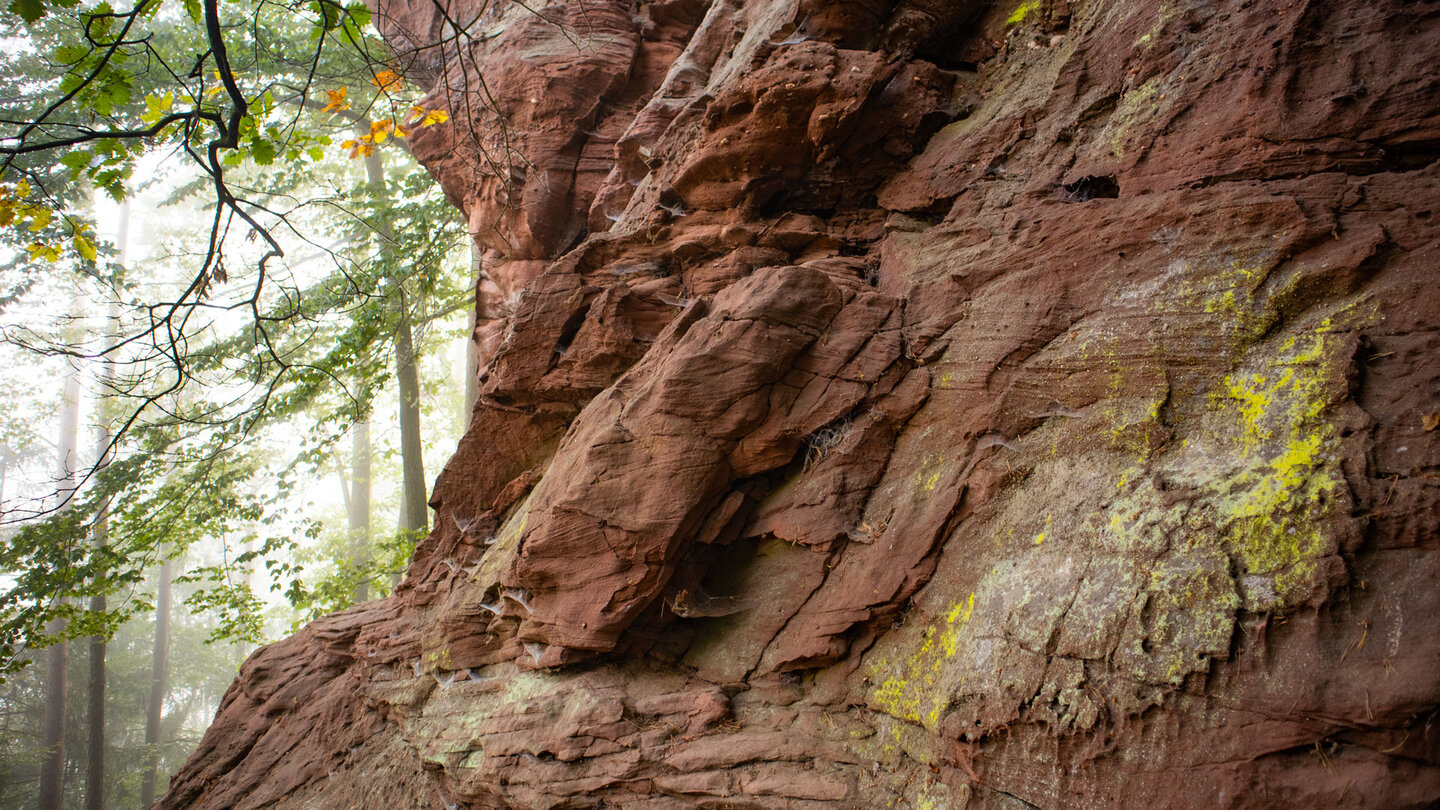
[221, 90]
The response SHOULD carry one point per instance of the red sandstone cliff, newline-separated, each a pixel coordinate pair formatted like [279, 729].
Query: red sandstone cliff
[910, 404]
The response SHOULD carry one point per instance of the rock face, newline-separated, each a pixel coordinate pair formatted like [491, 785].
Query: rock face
[910, 404]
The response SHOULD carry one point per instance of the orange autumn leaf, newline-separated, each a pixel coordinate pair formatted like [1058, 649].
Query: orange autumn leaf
[338, 100]
[364, 146]
[419, 116]
[380, 130]
[386, 80]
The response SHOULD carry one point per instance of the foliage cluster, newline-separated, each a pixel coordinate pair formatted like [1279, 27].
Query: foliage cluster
[279, 314]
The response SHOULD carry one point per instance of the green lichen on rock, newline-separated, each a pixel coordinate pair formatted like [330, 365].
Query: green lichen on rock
[507, 543]
[1136, 106]
[1183, 617]
[1166, 13]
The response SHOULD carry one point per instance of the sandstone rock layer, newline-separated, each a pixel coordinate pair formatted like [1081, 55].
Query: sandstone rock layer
[910, 404]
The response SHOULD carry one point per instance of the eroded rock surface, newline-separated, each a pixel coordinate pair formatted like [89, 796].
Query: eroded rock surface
[910, 404]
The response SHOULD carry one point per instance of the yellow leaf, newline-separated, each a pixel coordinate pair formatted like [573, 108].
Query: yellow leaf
[434, 117]
[39, 216]
[40, 250]
[401, 132]
[84, 247]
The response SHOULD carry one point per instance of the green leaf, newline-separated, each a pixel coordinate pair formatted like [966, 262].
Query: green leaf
[113, 181]
[103, 25]
[359, 14]
[192, 7]
[70, 54]
[263, 151]
[76, 162]
[29, 10]
[157, 107]
[329, 13]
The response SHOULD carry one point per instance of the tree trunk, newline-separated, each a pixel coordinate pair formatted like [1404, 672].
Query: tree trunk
[414, 508]
[95, 711]
[359, 505]
[158, 687]
[52, 768]
[95, 716]
[413, 463]
[472, 359]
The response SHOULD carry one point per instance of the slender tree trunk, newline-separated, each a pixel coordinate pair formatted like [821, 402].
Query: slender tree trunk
[158, 687]
[416, 509]
[414, 501]
[95, 715]
[472, 359]
[95, 711]
[52, 768]
[359, 505]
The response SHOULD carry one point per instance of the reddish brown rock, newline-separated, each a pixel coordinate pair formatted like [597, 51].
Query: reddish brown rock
[910, 404]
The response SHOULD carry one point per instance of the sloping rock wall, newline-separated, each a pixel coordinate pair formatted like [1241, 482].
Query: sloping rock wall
[910, 404]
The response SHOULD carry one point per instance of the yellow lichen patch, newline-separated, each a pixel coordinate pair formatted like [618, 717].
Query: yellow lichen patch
[1273, 511]
[1134, 426]
[1040, 538]
[928, 476]
[507, 541]
[939, 796]
[1231, 297]
[1021, 12]
[914, 693]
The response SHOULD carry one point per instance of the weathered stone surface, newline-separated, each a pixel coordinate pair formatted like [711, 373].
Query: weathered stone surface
[910, 404]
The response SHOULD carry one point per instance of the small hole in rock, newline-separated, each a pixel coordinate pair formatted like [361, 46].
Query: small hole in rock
[1092, 187]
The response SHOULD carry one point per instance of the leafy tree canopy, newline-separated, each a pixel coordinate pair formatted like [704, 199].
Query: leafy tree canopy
[261, 114]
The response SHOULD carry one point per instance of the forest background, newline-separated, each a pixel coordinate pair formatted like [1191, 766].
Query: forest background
[222, 283]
